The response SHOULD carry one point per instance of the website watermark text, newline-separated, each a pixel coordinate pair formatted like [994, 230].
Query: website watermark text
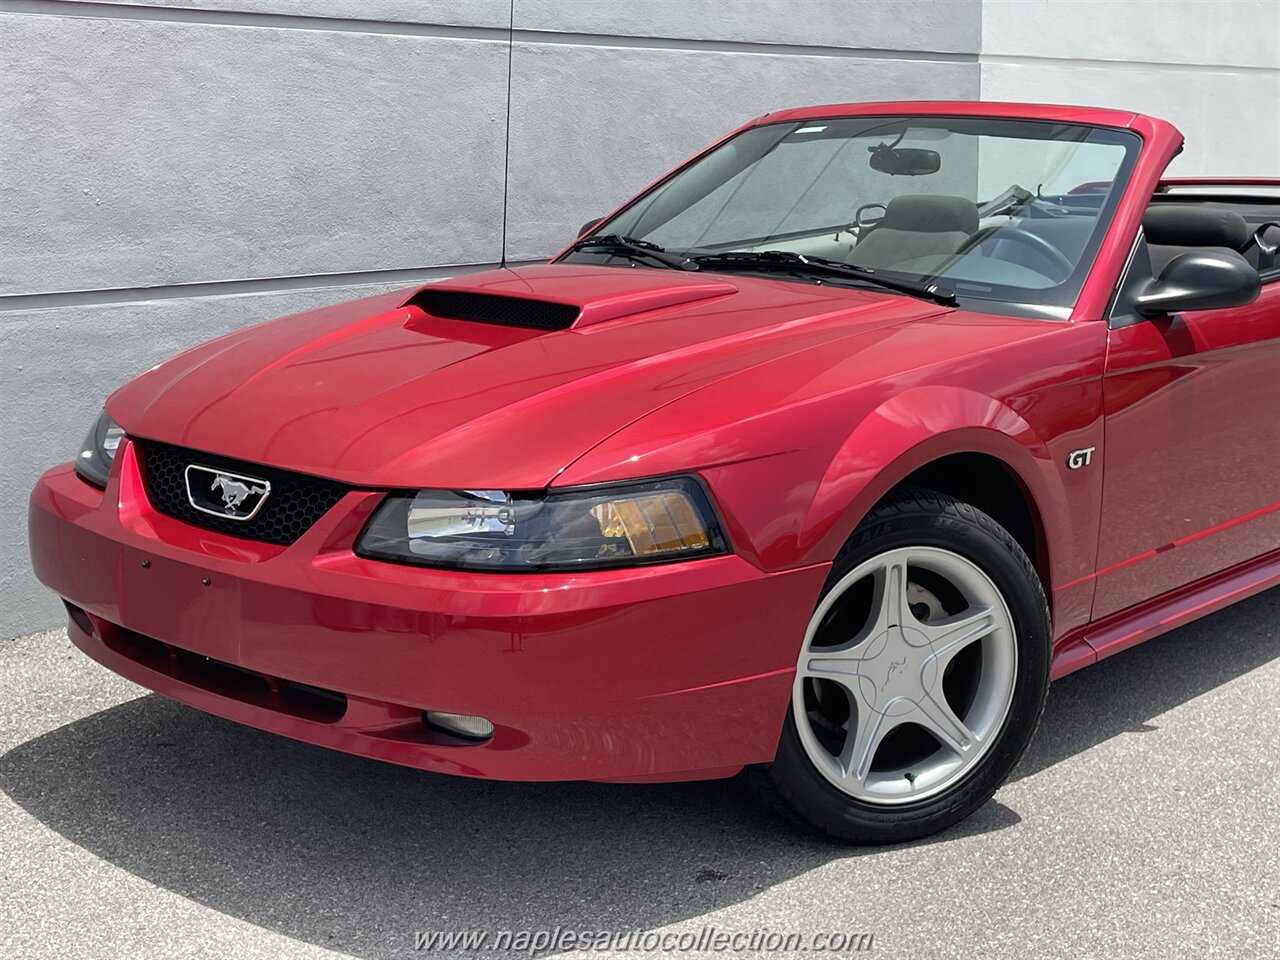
[536, 943]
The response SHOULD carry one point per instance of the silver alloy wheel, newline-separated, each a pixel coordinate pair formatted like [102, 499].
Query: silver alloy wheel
[906, 675]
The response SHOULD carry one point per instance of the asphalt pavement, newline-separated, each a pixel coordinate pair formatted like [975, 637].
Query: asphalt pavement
[1143, 823]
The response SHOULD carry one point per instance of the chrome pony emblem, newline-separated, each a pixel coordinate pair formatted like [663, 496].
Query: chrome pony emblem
[234, 492]
[223, 494]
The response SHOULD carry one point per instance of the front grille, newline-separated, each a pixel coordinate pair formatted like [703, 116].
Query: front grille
[492, 308]
[295, 503]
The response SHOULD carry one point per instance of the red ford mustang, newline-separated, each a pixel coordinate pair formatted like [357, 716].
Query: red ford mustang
[819, 458]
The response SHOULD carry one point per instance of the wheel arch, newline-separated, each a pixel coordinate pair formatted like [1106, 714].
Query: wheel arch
[994, 487]
[954, 441]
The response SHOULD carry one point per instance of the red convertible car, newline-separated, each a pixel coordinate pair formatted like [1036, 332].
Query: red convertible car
[817, 460]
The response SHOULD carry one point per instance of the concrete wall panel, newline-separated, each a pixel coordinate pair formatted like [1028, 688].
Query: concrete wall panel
[1191, 32]
[1225, 133]
[923, 25]
[140, 153]
[591, 126]
[1211, 67]
[478, 13]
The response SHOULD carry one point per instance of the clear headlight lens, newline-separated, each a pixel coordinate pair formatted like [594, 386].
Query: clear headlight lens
[586, 528]
[98, 450]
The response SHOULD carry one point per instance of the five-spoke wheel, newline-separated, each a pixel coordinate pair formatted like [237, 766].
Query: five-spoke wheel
[920, 679]
[906, 675]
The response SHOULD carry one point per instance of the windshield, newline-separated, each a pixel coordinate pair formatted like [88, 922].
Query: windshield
[990, 209]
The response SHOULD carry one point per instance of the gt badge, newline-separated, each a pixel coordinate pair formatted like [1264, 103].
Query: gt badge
[1080, 458]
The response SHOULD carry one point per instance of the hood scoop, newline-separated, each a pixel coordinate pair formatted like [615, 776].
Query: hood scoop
[554, 297]
[494, 308]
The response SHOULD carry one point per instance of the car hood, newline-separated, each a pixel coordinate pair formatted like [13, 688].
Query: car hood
[493, 380]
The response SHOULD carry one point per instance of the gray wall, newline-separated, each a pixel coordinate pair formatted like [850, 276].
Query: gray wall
[171, 171]
[1212, 67]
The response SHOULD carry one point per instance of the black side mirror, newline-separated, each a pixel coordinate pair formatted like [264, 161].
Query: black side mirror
[588, 226]
[1200, 280]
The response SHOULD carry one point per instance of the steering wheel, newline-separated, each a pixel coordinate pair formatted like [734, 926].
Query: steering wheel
[1062, 265]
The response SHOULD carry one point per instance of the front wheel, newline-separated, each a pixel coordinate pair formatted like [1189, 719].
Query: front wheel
[922, 676]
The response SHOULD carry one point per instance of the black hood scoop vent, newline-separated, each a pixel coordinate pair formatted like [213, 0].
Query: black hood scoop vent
[493, 308]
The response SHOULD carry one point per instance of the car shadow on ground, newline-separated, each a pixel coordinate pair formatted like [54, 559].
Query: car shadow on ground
[356, 856]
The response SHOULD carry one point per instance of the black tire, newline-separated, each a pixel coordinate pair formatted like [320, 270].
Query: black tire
[794, 788]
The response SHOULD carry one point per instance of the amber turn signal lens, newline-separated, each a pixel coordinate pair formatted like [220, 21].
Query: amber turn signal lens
[657, 523]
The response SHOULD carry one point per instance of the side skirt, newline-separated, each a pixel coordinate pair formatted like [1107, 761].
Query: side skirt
[1128, 628]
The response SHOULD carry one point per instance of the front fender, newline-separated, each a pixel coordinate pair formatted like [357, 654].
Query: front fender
[913, 429]
[797, 455]
[925, 424]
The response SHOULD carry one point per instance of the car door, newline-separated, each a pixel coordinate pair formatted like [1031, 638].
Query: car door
[1192, 448]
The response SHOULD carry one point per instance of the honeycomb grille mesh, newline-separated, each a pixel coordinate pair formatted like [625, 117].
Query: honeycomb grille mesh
[295, 503]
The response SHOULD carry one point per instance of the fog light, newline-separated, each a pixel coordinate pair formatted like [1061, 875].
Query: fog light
[460, 725]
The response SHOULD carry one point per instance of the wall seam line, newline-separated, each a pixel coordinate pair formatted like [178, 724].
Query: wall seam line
[1041, 59]
[10, 303]
[506, 148]
[200, 16]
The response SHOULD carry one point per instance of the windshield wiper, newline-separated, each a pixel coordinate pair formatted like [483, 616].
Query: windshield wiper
[796, 263]
[635, 249]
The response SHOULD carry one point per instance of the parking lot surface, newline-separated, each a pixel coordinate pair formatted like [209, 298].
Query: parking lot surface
[1143, 823]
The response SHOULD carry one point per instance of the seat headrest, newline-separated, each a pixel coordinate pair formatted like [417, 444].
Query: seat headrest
[1189, 225]
[928, 214]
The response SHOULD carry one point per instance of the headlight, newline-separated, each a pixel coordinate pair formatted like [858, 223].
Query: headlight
[98, 450]
[586, 528]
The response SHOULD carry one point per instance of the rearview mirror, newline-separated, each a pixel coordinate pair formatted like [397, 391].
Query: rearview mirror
[588, 226]
[1200, 280]
[904, 161]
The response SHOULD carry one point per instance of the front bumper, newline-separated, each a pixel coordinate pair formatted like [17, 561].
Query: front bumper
[668, 672]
